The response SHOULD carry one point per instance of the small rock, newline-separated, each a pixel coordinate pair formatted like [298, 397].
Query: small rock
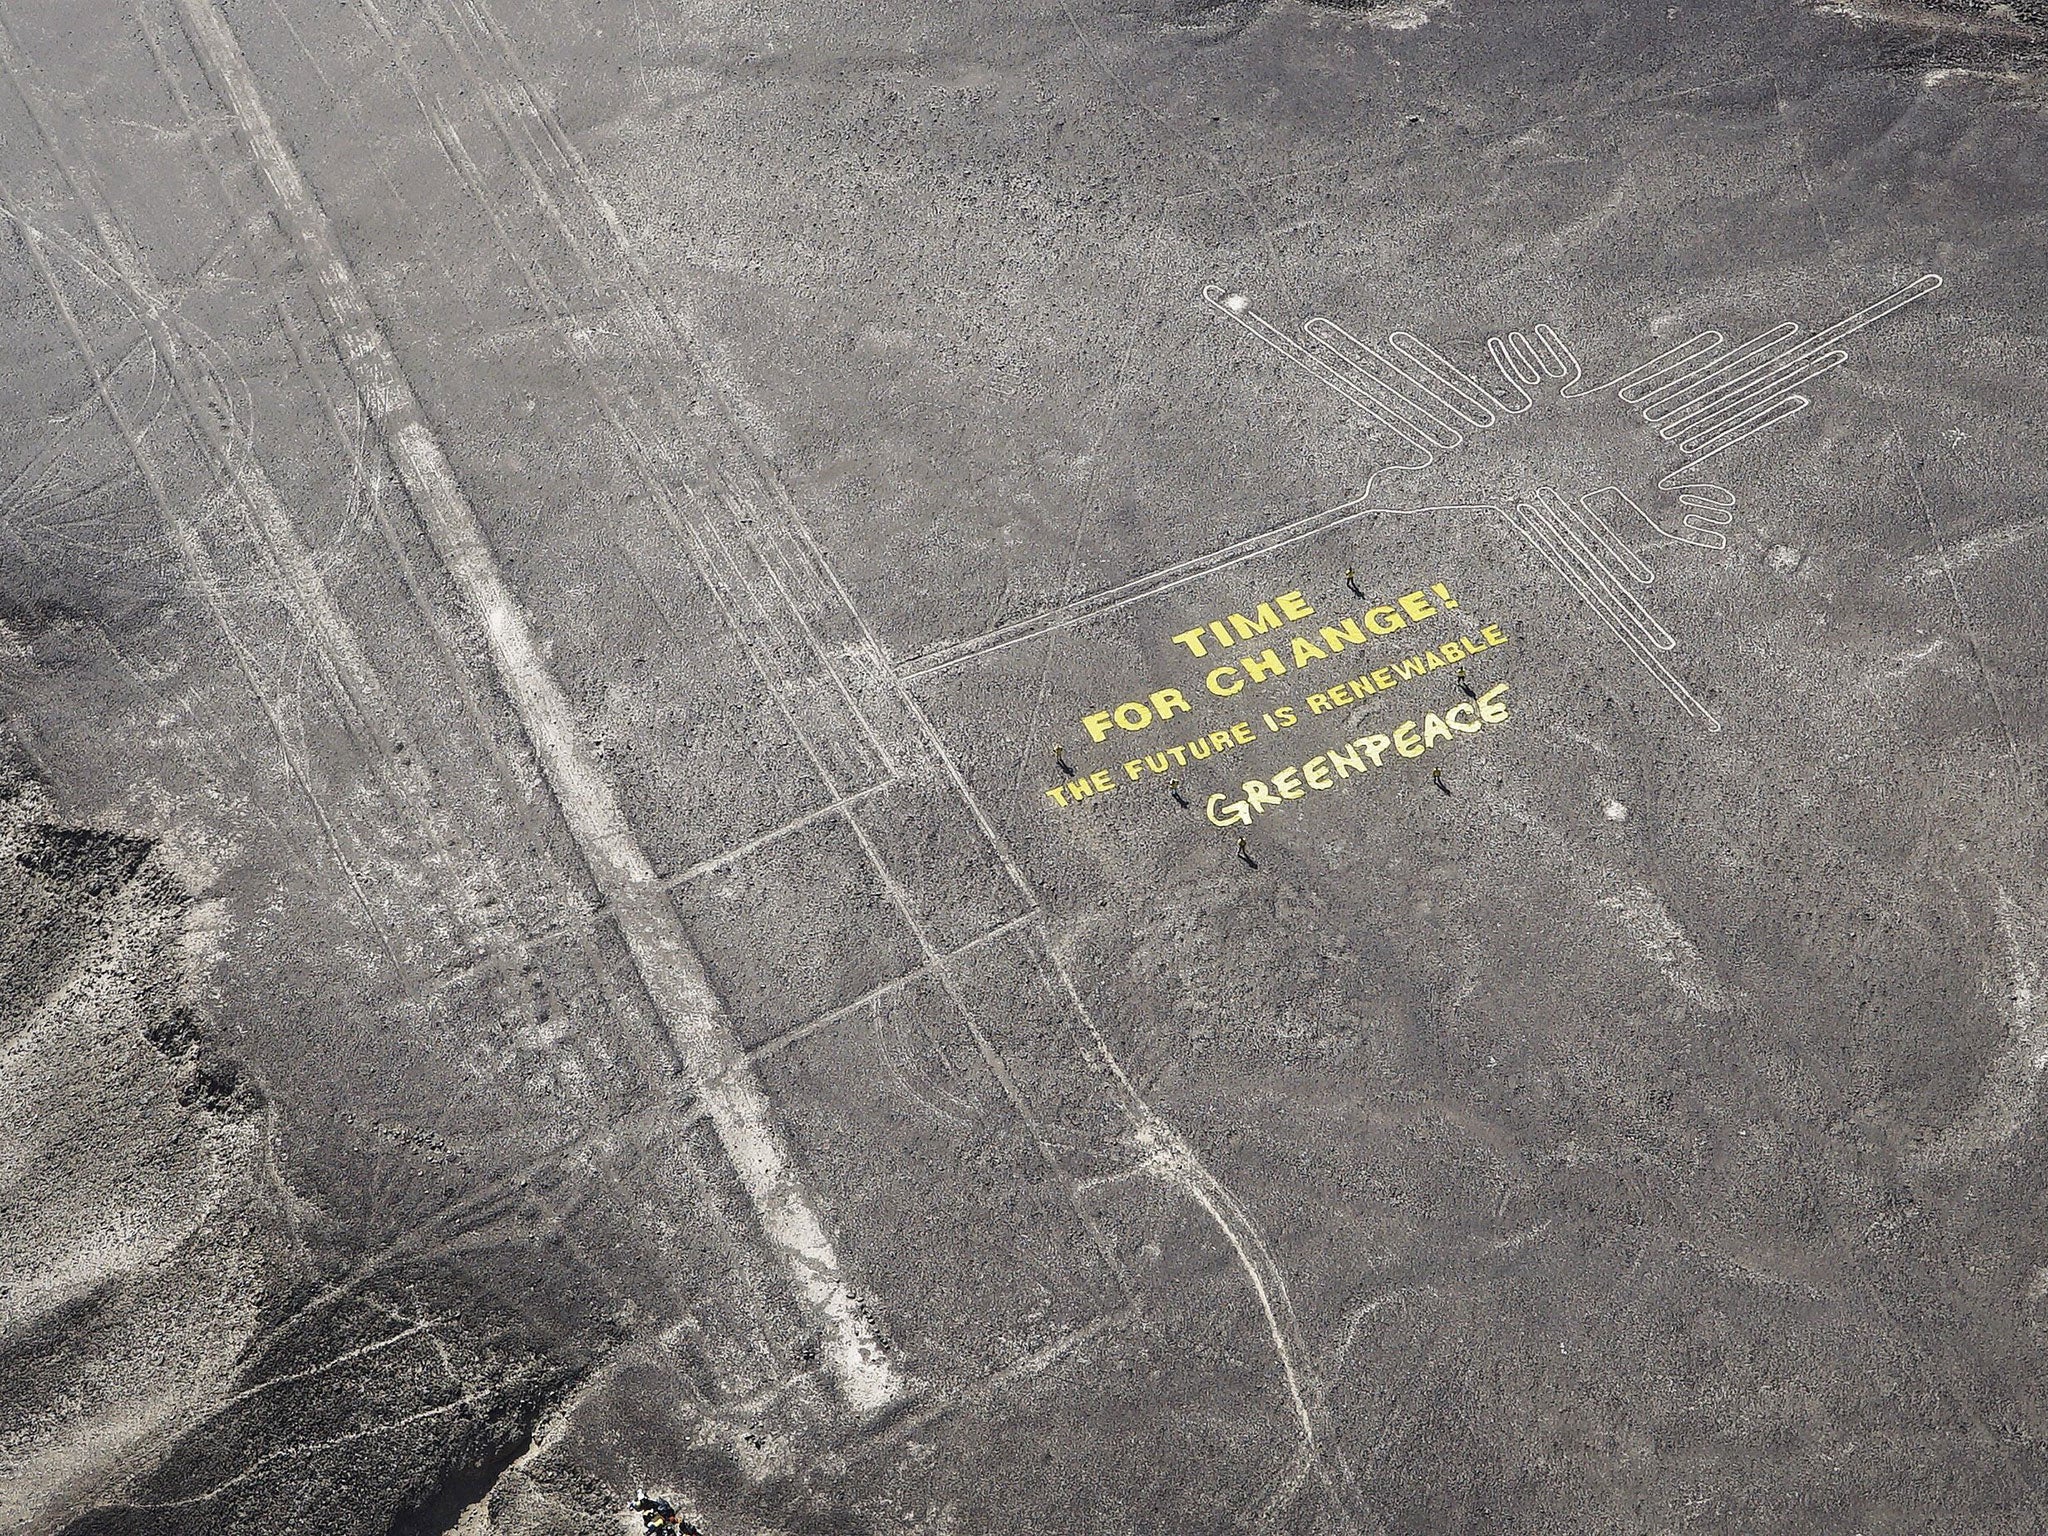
[1784, 559]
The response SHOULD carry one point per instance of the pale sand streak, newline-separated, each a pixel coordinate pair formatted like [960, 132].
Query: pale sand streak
[712, 1062]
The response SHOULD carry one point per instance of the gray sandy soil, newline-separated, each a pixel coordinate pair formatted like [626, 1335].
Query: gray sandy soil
[546, 551]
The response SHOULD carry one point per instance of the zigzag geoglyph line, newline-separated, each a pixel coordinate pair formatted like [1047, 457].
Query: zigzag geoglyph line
[1542, 526]
[1729, 394]
[1418, 404]
[1702, 395]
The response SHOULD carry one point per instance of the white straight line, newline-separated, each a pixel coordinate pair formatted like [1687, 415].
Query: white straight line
[1759, 396]
[1363, 357]
[1155, 583]
[710, 1057]
[1625, 632]
[1783, 410]
[1690, 386]
[1547, 509]
[1237, 308]
[1631, 386]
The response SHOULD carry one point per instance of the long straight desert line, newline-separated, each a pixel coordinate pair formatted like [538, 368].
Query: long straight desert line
[709, 1055]
[1152, 584]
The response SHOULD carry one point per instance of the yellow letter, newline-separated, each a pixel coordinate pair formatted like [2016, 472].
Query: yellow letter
[1264, 665]
[1489, 711]
[1343, 632]
[1383, 626]
[1292, 605]
[1192, 639]
[1265, 619]
[1406, 742]
[1217, 688]
[1234, 813]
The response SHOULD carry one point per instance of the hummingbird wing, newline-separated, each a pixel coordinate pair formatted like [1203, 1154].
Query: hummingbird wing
[1705, 395]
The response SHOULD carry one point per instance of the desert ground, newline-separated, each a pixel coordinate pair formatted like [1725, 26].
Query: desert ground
[1110, 767]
